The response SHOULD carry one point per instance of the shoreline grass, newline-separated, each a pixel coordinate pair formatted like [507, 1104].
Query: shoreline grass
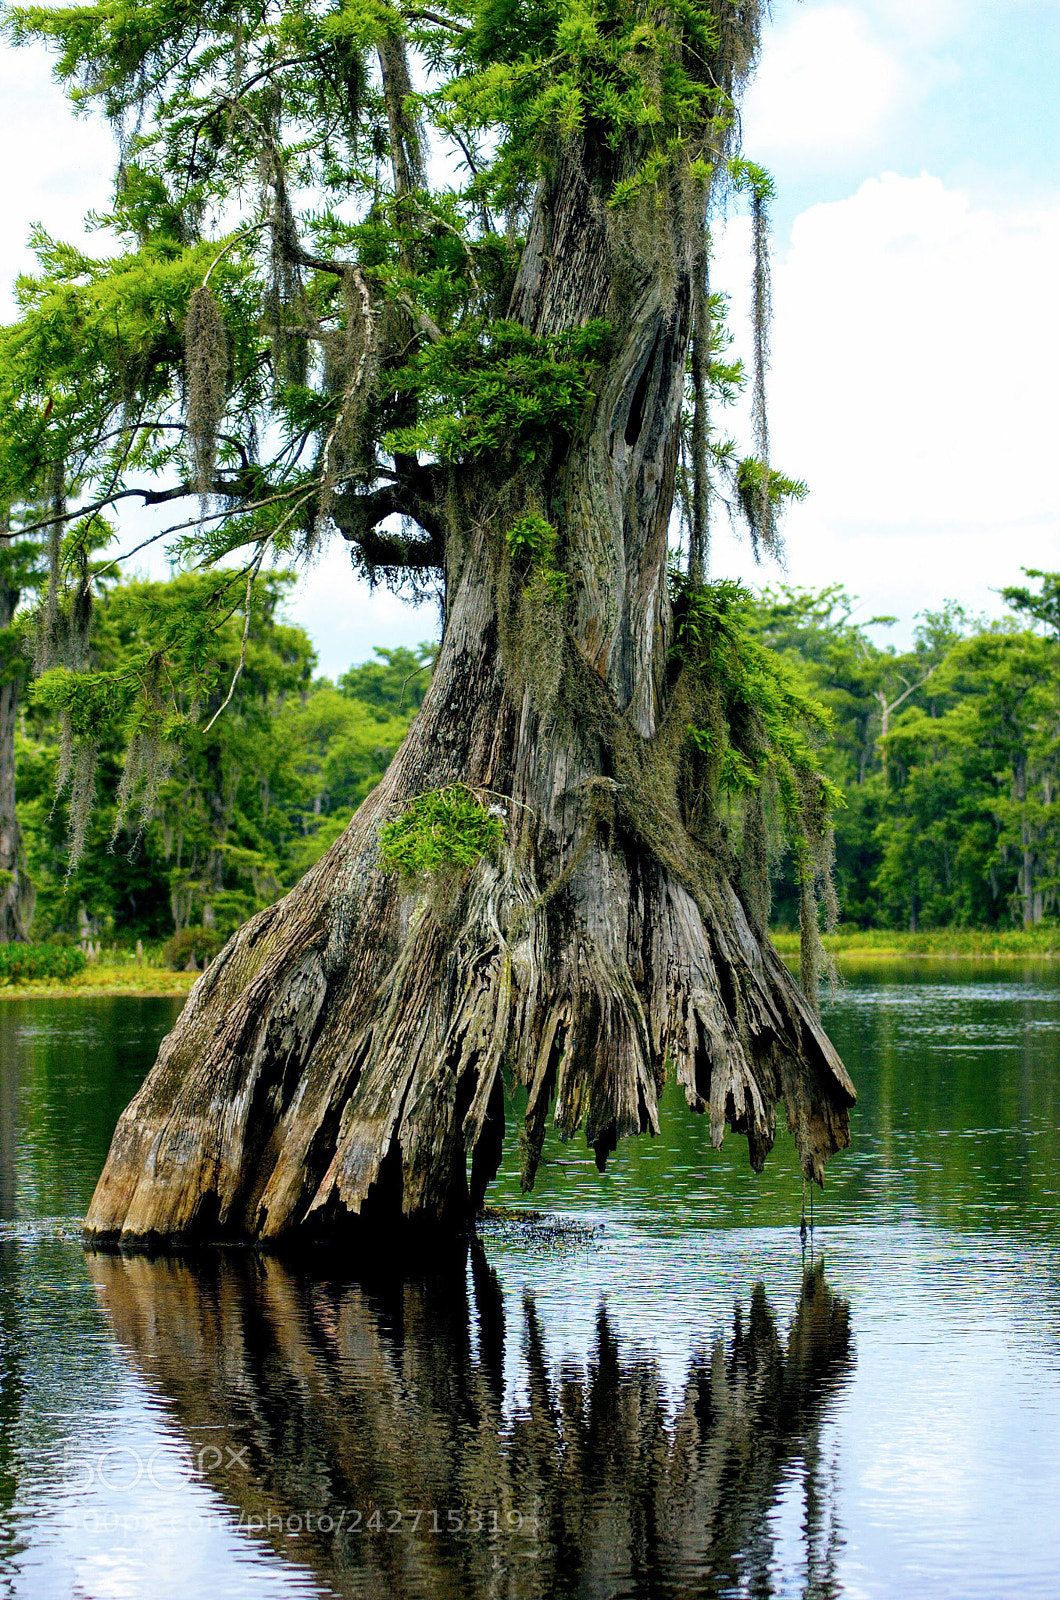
[948, 944]
[103, 978]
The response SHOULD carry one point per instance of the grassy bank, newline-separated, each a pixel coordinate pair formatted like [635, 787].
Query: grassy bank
[129, 977]
[99, 978]
[945, 942]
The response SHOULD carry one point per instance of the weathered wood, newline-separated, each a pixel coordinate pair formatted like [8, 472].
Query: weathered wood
[340, 1064]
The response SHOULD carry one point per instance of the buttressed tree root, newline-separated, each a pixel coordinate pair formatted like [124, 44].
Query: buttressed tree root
[344, 1058]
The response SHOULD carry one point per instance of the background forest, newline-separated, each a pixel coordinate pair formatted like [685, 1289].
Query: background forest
[947, 756]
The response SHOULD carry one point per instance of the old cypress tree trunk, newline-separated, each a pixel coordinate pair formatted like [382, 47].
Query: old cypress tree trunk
[341, 1066]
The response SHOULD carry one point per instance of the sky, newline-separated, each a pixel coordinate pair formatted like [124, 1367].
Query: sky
[916, 332]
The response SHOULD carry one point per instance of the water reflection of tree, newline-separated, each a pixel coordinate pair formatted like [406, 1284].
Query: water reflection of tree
[316, 1397]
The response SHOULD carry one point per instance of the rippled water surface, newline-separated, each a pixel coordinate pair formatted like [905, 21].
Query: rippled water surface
[652, 1390]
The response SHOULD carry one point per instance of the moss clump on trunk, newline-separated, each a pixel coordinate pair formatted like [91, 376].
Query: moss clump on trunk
[448, 827]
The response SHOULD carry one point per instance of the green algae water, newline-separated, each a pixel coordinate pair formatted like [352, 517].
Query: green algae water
[657, 1384]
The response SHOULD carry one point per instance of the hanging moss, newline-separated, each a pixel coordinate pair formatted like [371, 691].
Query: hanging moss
[406, 138]
[450, 827]
[205, 378]
[148, 763]
[90, 706]
[285, 307]
[351, 365]
[698, 510]
[755, 744]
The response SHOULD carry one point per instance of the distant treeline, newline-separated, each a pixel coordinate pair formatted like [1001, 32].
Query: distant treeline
[245, 808]
[947, 754]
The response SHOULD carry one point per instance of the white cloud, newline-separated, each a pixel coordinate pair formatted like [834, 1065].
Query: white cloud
[921, 21]
[929, 333]
[56, 168]
[826, 84]
[916, 342]
[838, 83]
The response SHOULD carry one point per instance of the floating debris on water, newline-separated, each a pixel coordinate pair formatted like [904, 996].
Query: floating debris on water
[536, 1228]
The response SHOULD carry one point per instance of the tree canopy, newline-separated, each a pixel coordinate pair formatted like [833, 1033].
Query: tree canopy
[302, 319]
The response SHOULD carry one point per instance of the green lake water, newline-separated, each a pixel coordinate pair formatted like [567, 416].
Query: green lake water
[661, 1388]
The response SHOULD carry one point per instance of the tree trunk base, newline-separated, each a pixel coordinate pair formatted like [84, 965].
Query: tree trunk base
[338, 1072]
[339, 1068]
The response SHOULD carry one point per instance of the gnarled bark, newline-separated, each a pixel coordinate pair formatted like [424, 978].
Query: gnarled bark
[342, 1061]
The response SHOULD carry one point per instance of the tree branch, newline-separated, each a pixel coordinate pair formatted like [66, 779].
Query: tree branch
[413, 495]
[151, 497]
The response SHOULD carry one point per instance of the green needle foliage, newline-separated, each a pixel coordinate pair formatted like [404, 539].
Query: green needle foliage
[499, 391]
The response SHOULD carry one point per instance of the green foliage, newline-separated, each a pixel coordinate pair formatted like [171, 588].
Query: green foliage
[763, 725]
[756, 482]
[531, 539]
[393, 685]
[94, 704]
[757, 745]
[190, 946]
[750, 178]
[1043, 607]
[952, 816]
[232, 815]
[22, 961]
[531, 542]
[884, 944]
[598, 71]
[499, 390]
[450, 827]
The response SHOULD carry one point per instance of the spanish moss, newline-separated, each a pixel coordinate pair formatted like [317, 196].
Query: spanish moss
[352, 360]
[148, 764]
[285, 307]
[47, 632]
[764, 525]
[699, 531]
[82, 781]
[205, 380]
[406, 144]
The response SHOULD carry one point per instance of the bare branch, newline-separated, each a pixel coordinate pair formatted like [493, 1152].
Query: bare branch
[251, 575]
[255, 227]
